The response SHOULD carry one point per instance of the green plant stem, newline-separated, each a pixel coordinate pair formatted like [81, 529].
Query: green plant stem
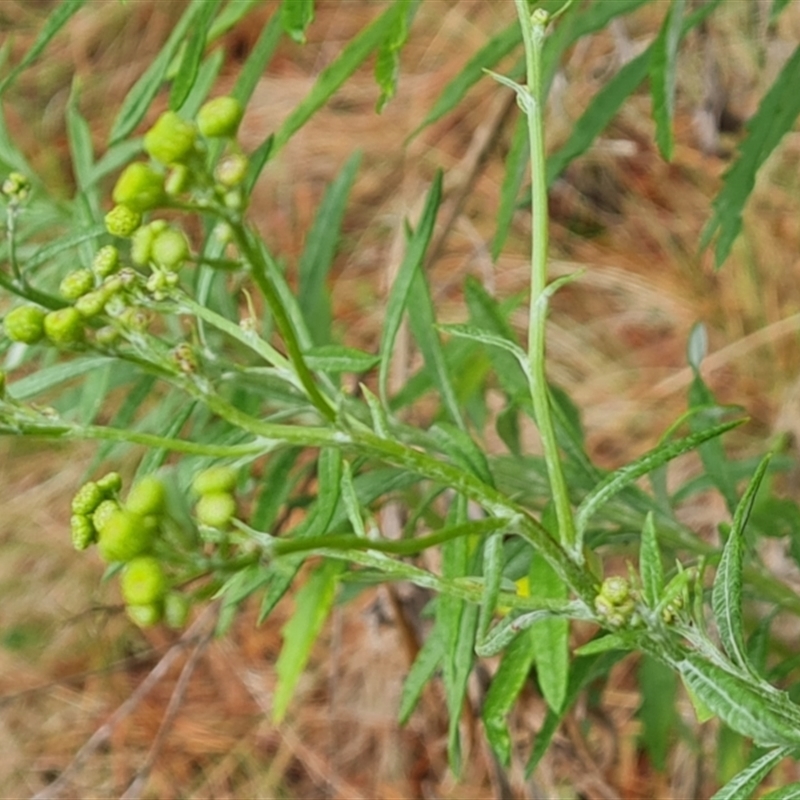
[533, 34]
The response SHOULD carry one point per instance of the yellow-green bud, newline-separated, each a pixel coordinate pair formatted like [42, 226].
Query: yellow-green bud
[122, 221]
[215, 510]
[231, 171]
[76, 283]
[87, 498]
[143, 581]
[176, 610]
[170, 140]
[146, 496]
[214, 479]
[170, 249]
[220, 117]
[139, 187]
[64, 327]
[144, 616]
[82, 530]
[124, 536]
[25, 324]
[106, 261]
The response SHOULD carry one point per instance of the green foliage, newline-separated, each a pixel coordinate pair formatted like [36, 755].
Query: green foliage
[262, 477]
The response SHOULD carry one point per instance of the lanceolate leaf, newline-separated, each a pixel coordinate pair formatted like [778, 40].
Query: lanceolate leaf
[138, 100]
[56, 19]
[743, 786]
[387, 62]
[662, 76]
[332, 77]
[506, 685]
[312, 605]
[296, 16]
[775, 117]
[398, 297]
[195, 45]
[422, 671]
[623, 477]
[789, 792]
[650, 567]
[317, 258]
[726, 597]
[735, 702]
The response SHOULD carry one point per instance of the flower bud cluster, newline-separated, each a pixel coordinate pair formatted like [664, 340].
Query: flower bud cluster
[616, 602]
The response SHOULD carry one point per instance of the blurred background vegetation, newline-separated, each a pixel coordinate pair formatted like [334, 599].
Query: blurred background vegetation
[68, 656]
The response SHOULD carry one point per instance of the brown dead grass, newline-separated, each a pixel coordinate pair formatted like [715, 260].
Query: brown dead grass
[617, 342]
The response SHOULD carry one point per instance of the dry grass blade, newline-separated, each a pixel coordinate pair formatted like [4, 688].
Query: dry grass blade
[198, 633]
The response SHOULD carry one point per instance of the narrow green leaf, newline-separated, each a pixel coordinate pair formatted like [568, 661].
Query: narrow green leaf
[613, 483]
[350, 500]
[726, 595]
[550, 637]
[486, 337]
[116, 157]
[422, 670]
[605, 104]
[459, 445]
[206, 77]
[47, 378]
[663, 66]
[602, 644]
[253, 68]
[172, 422]
[697, 348]
[80, 141]
[387, 61]
[515, 164]
[650, 567]
[338, 358]
[422, 319]
[313, 603]
[789, 792]
[296, 16]
[194, 47]
[281, 575]
[56, 19]
[599, 113]
[277, 486]
[234, 11]
[496, 48]
[93, 393]
[333, 76]
[584, 671]
[10, 154]
[658, 684]
[320, 248]
[735, 702]
[743, 785]
[774, 118]
[138, 99]
[506, 685]
[492, 576]
[399, 294]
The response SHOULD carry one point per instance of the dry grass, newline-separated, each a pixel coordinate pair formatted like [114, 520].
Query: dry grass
[617, 343]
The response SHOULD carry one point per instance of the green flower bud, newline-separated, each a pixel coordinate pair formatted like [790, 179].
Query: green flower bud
[142, 245]
[92, 303]
[104, 511]
[215, 479]
[233, 200]
[122, 221]
[87, 498]
[220, 117]
[184, 357]
[16, 186]
[170, 249]
[135, 319]
[106, 261]
[110, 483]
[616, 590]
[144, 616]
[83, 532]
[231, 171]
[124, 536]
[139, 187]
[170, 140]
[146, 497]
[76, 283]
[25, 324]
[64, 327]
[176, 610]
[178, 180]
[143, 581]
[215, 510]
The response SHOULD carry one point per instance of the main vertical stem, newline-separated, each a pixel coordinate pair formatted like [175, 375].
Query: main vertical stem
[533, 34]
